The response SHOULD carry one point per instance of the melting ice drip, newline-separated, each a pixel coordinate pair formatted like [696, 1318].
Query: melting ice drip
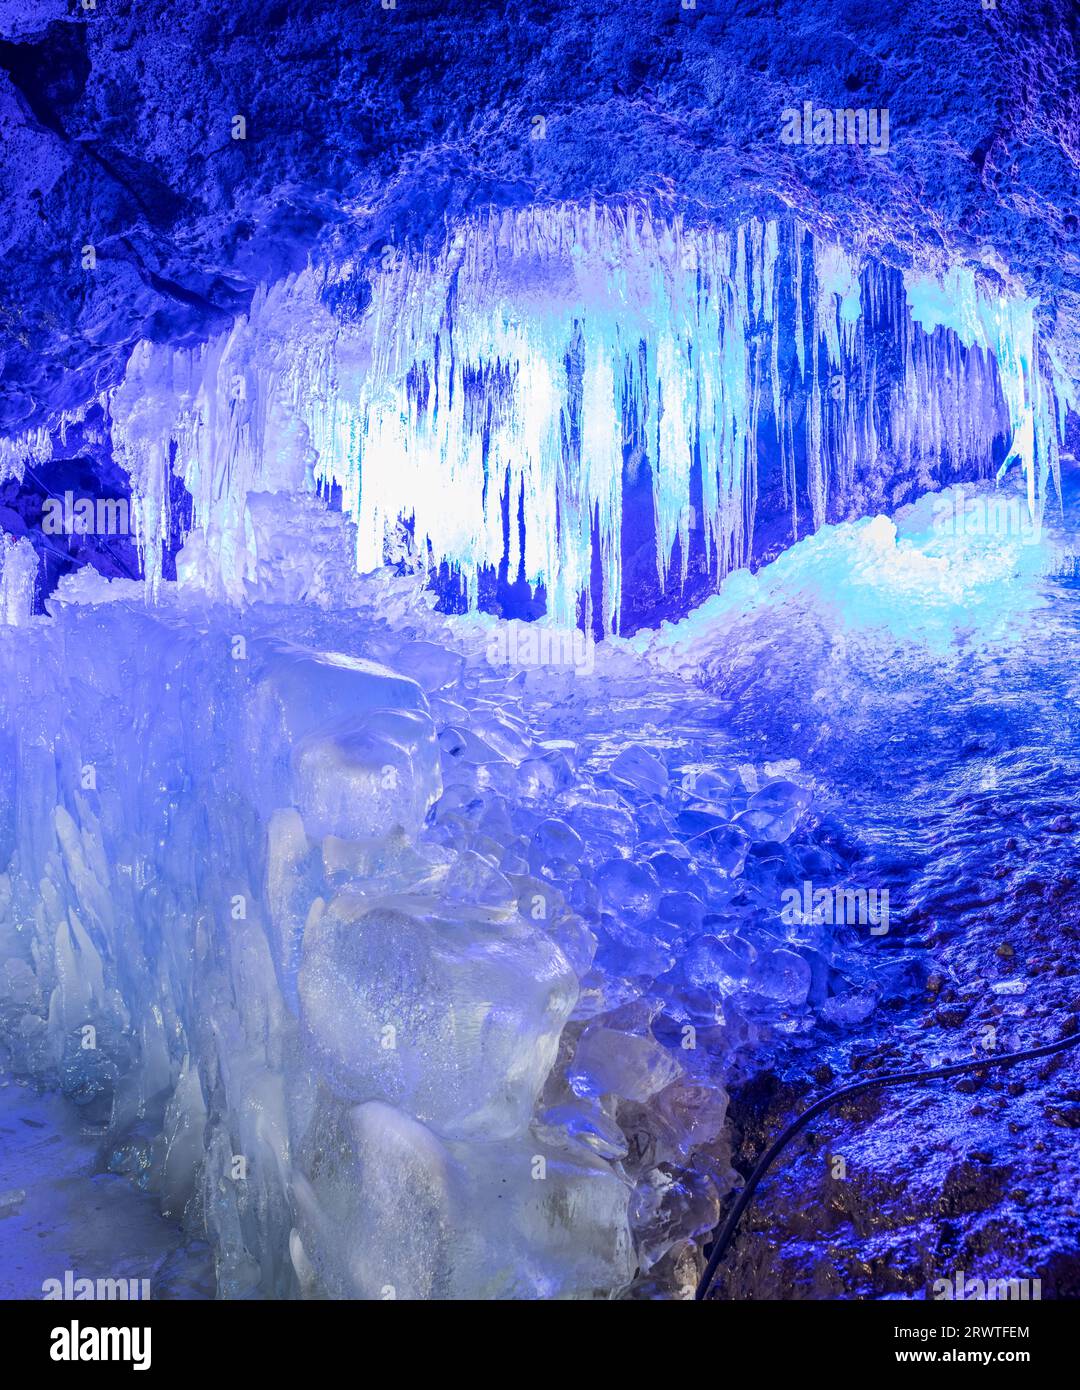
[510, 378]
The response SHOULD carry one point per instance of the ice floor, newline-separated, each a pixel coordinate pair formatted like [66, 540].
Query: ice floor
[397, 955]
[60, 1212]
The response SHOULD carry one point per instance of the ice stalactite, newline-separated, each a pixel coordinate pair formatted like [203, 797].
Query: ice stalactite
[225, 417]
[521, 362]
[499, 386]
[883, 396]
[1004, 327]
[31, 447]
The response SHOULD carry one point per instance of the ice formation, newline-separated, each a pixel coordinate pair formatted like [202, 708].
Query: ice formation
[18, 580]
[398, 963]
[353, 958]
[506, 385]
[33, 446]
[1003, 326]
[967, 559]
[403, 969]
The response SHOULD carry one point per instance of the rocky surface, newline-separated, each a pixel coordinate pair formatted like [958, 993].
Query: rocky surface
[366, 124]
[879, 1198]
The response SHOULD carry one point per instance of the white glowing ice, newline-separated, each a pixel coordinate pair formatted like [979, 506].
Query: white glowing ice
[268, 912]
[18, 579]
[541, 358]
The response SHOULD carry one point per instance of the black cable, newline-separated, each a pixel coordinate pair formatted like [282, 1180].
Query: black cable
[900, 1078]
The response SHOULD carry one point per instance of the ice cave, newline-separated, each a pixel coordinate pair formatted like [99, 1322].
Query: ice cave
[539, 617]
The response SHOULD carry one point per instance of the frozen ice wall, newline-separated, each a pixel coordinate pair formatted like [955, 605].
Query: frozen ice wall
[354, 962]
[487, 403]
[222, 934]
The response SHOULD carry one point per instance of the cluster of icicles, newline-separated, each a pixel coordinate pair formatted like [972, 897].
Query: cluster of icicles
[509, 378]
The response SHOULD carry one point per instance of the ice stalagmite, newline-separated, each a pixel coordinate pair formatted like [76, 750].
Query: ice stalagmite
[18, 580]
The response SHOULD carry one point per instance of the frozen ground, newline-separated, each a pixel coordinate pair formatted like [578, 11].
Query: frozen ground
[61, 1212]
[413, 956]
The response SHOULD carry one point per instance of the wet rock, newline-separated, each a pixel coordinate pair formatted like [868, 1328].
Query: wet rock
[970, 1187]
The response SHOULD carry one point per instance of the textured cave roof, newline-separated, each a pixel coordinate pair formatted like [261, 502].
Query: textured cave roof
[365, 124]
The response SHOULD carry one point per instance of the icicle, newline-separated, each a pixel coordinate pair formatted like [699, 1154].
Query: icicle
[1004, 326]
[523, 361]
[800, 335]
[32, 447]
[771, 252]
[815, 462]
